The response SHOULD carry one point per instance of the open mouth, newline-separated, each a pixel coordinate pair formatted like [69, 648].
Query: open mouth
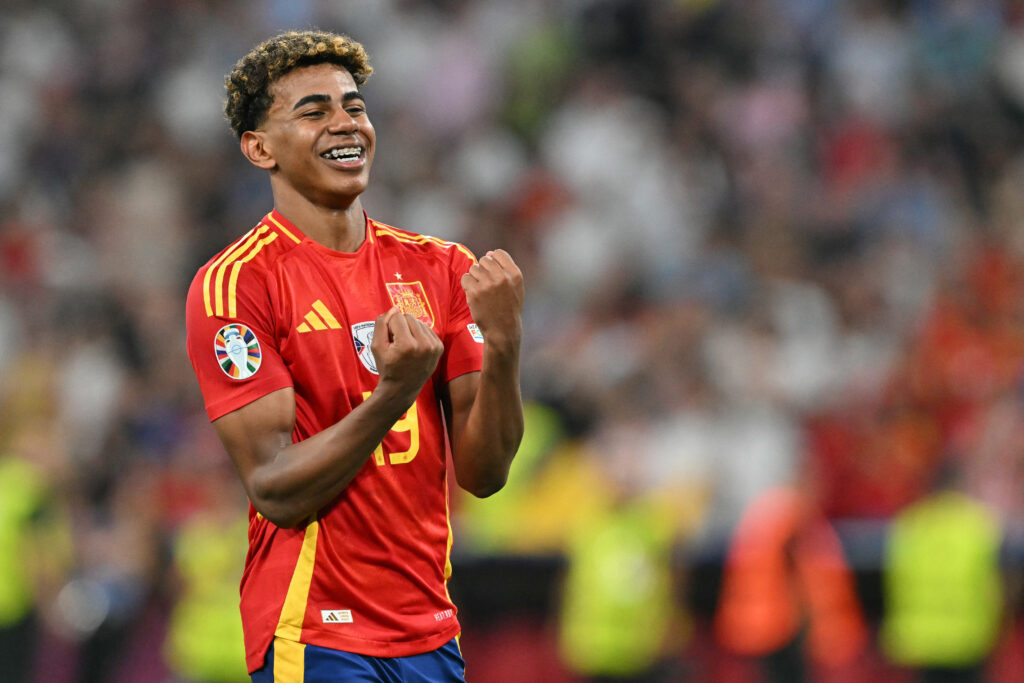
[344, 154]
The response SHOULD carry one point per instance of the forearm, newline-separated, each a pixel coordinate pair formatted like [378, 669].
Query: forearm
[288, 482]
[302, 478]
[493, 428]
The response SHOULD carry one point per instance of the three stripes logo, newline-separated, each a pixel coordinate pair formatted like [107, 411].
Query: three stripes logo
[320, 318]
[336, 616]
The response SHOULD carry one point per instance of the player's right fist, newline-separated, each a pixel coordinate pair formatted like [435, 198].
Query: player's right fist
[406, 352]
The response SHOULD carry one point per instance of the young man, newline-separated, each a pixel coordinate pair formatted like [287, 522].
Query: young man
[337, 356]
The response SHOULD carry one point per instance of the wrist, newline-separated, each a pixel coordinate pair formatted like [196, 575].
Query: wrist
[501, 351]
[392, 396]
[502, 342]
[501, 345]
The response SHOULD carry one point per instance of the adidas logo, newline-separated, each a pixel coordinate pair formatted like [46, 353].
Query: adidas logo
[319, 319]
[336, 616]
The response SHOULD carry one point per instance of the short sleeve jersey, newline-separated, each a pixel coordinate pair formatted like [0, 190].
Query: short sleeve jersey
[275, 309]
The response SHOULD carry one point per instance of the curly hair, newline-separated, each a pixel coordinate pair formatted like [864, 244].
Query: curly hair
[248, 84]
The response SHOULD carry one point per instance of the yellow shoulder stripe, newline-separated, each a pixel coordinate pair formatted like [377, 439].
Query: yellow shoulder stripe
[218, 280]
[240, 244]
[286, 231]
[423, 239]
[237, 266]
[250, 244]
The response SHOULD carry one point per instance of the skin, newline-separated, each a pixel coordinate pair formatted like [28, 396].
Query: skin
[317, 108]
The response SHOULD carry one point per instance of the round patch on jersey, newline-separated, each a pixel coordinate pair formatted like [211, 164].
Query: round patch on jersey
[238, 351]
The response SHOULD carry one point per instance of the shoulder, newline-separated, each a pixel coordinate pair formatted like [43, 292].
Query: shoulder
[388, 236]
[240, 265]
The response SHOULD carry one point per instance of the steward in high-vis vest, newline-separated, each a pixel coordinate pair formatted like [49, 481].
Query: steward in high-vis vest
[788, 595]
[35, 548]
[619, 608]
[943, 585]
[204, 636]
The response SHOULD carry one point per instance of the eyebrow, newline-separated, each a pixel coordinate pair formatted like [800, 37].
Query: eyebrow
[347, 97]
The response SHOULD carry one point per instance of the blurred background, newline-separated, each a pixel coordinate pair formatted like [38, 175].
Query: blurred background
[774, 334]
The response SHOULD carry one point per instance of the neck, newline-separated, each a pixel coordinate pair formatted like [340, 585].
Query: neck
[338, 227]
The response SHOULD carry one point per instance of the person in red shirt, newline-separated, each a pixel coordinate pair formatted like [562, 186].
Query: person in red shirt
[342, 361]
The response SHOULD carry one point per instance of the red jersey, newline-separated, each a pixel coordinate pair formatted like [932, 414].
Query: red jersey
[276, 309]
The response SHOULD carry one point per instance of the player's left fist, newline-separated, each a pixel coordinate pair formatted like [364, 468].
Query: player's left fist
[494, 290]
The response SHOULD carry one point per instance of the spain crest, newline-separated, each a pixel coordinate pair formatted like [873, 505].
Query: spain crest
[411, 298]
[238, 351]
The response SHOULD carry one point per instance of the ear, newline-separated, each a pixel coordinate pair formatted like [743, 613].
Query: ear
[254, 148]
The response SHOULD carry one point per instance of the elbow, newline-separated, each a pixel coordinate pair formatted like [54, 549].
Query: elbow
[285, 519]
[485, 486]
[279, 515]
[279, 512]
[484, 474]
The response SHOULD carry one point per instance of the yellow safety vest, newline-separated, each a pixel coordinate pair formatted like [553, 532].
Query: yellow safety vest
[618, 601]
[204, 639]
[21, 495]
[943, 587]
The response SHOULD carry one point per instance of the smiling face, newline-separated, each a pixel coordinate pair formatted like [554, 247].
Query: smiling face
[317, 140]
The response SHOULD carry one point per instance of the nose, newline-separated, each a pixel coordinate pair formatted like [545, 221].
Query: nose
[343, 123]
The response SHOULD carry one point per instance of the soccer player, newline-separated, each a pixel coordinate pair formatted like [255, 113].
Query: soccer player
[337, 357]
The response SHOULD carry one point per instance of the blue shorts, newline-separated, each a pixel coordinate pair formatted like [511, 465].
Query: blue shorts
[300, 663]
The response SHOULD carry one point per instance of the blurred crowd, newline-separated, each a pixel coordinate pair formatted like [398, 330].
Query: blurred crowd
[774, 255]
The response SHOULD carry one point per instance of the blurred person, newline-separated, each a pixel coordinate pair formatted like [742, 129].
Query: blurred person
[204, 642]
[333, 352]
[34, 546]
[943, 585]
[116, 567]
[620, 618]
[788, 598]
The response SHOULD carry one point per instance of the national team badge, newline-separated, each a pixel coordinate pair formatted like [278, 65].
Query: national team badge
[362, 337]
[238, 351]
[412, 299]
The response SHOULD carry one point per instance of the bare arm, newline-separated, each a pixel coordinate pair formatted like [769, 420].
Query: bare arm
[485, 410]
[288, 482]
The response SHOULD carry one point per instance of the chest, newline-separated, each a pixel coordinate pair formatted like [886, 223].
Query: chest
[326, 309]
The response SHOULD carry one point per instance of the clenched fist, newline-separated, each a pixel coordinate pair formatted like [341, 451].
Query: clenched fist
[405, 350]
[494, 291]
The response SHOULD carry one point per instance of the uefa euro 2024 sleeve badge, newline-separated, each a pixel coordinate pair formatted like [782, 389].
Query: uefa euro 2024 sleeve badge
[238, 351]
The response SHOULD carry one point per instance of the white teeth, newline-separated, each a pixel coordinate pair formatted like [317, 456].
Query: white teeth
[343, 153]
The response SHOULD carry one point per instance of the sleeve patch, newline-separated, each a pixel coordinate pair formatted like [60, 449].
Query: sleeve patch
[238, 351]
[474, 332]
